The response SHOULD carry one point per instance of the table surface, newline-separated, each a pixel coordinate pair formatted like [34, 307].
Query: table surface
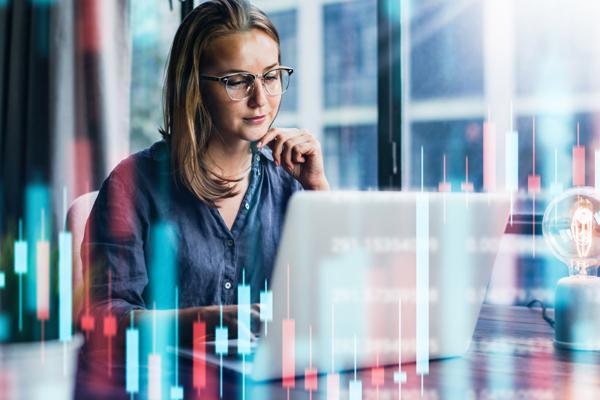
[511, 356]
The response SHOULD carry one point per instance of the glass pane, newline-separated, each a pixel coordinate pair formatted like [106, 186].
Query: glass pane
[153, 27]
[346, 123]
[531, 59]
[350, 37]
[350, 93]
[285, 22]
[556, 54]
[556, 137]
[459, 142]
[509, 63]
[444, 39]
[348, 150]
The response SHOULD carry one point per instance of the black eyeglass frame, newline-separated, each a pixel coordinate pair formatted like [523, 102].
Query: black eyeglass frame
[225, 79]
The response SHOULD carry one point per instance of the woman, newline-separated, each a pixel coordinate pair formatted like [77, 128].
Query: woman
[202, 210]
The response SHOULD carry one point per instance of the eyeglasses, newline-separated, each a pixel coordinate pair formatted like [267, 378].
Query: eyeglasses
[240, 86]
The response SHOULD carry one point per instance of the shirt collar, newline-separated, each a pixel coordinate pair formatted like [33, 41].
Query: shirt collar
[265, 151]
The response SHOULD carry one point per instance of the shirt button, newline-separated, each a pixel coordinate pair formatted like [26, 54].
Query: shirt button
[227, 285]
[247, 206]
[257, 157]
[230, 243]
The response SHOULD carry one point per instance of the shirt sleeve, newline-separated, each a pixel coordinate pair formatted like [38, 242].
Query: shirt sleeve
[113, 247]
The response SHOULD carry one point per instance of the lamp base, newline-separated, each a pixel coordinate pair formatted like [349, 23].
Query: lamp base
[577, 313]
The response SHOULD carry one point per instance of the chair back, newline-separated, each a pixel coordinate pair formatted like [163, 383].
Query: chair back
[77, 217]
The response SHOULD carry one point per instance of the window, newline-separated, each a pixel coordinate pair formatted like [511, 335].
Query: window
[153, 27]
[333, 47]
[444, 37]
[350, 95]
[459, 142]
[345, 156]
[511, 62]
[445, 80]
[350, 43]
[285, 22]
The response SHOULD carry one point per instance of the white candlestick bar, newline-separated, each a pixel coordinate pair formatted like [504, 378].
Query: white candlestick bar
[556, 187]
[489, 156]
[333, 386]
[132, 382]
[154, 377]
[65, 284]
[176, 389]
[20, 257]
[512, 161]
[266, 307]
[20, 266]
[243, 314]
[355, 390]
[422, 306]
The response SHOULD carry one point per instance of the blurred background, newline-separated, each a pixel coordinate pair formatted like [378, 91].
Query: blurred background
[379, 83]
[459, 64]
[401, 94]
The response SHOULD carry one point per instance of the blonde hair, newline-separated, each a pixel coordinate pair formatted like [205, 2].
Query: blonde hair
[187, 123]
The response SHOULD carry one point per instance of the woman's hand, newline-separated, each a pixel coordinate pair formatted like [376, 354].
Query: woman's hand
[299, 153]
[211, 315]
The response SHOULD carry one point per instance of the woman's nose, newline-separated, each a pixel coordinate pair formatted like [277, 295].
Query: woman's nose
[258, 97]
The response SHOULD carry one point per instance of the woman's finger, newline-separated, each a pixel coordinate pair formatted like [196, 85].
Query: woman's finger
[288, 147]
[301, 150]
[268, 137]
[255, 309]
[277, 147]
[236, 328]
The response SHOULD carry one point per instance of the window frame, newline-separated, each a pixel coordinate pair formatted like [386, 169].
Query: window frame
[389, 95]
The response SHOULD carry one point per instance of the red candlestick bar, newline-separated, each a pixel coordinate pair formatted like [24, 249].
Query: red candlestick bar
[87, 320]
[288, 354]
[311, 383]
[578, 163]
[109, 325]
[87, 323]
[377, 376]
[199, 345]
[310, 380]
[534, 182]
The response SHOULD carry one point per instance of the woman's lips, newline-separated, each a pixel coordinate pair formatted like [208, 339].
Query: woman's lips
[255, 120]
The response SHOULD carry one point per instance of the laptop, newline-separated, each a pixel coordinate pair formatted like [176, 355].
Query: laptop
[366, 279]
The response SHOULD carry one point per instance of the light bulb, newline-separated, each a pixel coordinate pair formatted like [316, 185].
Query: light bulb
[571, 227]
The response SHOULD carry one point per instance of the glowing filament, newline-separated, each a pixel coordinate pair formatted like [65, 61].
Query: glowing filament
[581, 229]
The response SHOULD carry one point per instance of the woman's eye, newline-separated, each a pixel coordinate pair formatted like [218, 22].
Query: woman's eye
[238, 81]
[271, 76]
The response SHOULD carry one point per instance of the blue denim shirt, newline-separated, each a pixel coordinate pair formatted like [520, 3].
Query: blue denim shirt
[146, 235]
